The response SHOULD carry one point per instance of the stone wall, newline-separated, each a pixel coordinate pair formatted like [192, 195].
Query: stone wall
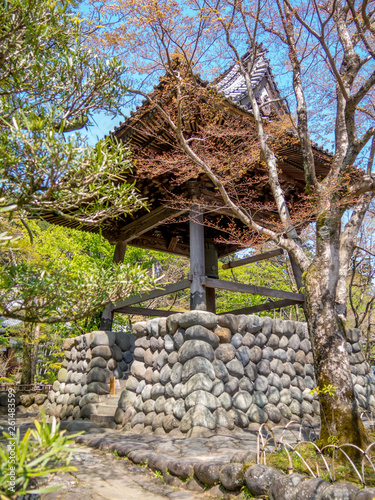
[90, 361]
[198, 370]
[29, 403]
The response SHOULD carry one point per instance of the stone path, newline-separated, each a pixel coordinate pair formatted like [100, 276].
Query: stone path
[105, 460]
[101, 475]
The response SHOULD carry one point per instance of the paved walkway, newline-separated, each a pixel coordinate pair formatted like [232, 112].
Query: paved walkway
[100, 475]
[103, 471]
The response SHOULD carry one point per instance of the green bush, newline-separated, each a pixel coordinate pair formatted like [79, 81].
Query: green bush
[40, 452]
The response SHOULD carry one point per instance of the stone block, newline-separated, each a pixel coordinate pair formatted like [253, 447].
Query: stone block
[232, 476]
[99, 338]
[198, 415]
[255, 354]
[251, 371]
[258, 478]
[217, 388]
[248, 340]
[220, 370]
[223, 419]
[123, 340]
[203, 318]
[353, 335]
[229, 321]
[207, 473]
[235, 368]
[260, 340]
[176, 374]
[179, 338]
[194, 348]
[225, 401]
[198, 332]
[254, 324]
[202, 398]
[102, 351]
[61, 375]
[237, 340]
[242, 401]
[261, 383]
[231, 387]
[286, 487]
[240, 419]
[139, 329]
[197, 365]
[199, 381]
[224, 334]
[173, 323]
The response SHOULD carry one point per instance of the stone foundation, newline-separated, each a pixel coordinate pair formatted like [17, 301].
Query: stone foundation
[29, 403]
[90, 361]
[197, 370]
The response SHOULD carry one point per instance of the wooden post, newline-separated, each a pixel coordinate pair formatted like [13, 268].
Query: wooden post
[211, 271]
[119, 255]
[197, 290]
[112, 386]
[107, 315]
[298, 277]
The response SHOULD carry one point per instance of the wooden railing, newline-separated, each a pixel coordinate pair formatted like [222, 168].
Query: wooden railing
[43, 388]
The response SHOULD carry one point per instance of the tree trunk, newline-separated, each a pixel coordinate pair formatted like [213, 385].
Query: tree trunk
[340, 418]
[27, 350]
[34, 355]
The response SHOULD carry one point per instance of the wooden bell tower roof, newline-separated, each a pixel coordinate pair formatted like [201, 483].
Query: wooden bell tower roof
[165, 226]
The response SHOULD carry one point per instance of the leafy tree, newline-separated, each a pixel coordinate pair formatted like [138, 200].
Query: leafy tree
[66, 275]
[51, 82]
[328, 50]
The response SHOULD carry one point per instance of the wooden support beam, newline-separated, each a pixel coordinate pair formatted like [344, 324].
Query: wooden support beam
[161, 244]
[147, 222]
[145, 311]
[253, 289]
[298, 278]
[119, 255]
[268, 306]
[197, 290]
[212, 271]
[153, 294]
[106, 320]
[172, 244]
[253, 258]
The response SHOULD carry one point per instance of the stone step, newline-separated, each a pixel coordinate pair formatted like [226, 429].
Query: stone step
[110, 400]
[102, 420]
[103, 409]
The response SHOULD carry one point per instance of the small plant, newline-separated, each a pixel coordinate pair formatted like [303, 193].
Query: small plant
[333, 440]
[115, 453]
[186, 479]
[327, 389]
[246, 492]
[40, 452]
[159, 475]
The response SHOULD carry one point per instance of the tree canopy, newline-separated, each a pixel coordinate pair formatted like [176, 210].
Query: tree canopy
[327, 54]
[51, 82]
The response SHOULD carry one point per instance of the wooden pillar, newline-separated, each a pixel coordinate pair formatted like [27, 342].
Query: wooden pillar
[119, 255]
[107, 315]
[197, 267]
[211, 271]
[298, 278]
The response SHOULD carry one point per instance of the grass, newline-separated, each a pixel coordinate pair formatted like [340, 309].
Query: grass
[340, 470]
